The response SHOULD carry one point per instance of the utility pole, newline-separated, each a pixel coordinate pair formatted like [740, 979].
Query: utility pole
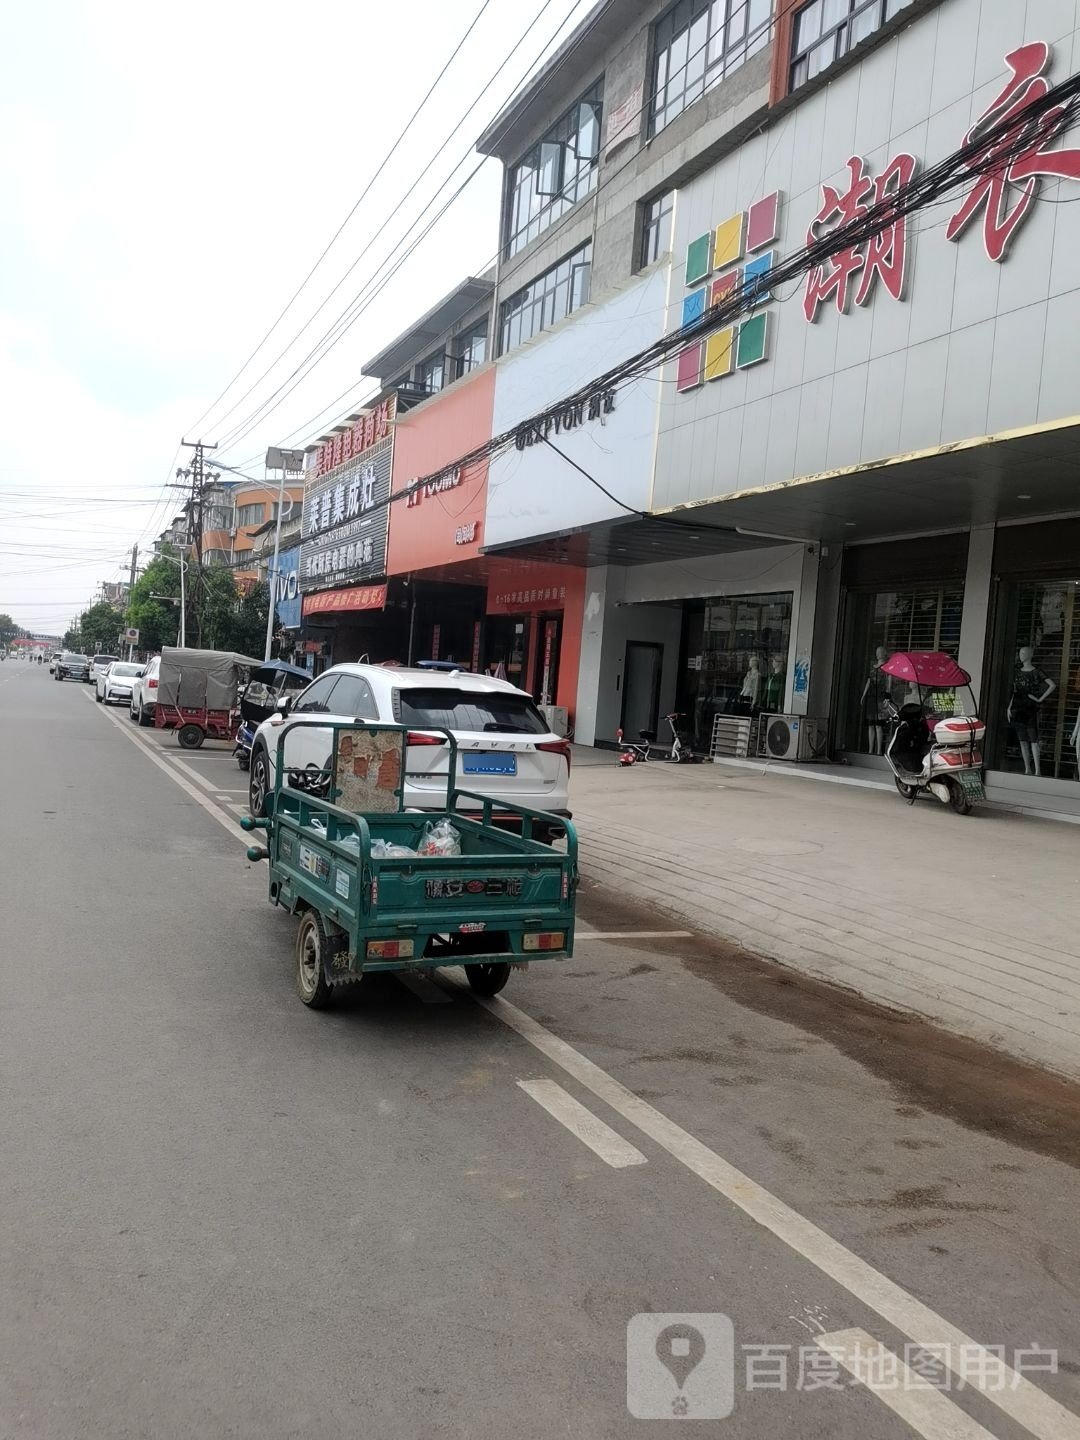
[134, 563]
[195, 478]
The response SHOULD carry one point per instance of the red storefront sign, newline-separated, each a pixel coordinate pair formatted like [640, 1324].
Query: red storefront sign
[369, 429]
[357, 597]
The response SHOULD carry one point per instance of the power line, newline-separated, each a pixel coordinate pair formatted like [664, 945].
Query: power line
[330, 243]
[362, 299]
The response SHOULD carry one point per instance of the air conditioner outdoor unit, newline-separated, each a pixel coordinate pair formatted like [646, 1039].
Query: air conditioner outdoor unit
[558, 718]
[795, 737]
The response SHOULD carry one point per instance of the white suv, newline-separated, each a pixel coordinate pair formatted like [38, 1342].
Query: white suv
[505, 747]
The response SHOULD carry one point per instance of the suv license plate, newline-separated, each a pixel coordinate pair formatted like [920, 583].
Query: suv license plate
[487, 763]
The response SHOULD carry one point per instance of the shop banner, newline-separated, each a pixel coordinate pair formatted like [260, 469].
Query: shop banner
[357, 597]
[346, 517]
[287, 588]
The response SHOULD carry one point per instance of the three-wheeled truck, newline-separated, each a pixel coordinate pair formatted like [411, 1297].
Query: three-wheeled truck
[197, 693]
[380, 888]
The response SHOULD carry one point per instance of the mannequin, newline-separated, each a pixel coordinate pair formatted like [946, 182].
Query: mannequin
[1074, 741]
[751, 685]
[772, 699]
[1030, 688]
[873, 701]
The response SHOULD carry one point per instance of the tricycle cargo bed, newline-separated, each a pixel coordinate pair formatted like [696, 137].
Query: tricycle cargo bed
[506, 897]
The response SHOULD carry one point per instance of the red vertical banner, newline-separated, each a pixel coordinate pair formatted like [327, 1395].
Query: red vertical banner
[551, 630]
[436, 637]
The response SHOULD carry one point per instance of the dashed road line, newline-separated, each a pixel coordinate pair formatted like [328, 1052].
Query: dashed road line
[915, 1399]
[589, 1128]
[982, 1369]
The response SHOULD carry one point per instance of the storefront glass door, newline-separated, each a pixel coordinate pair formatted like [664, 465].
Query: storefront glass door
[735, 655]
[876, 625]
[1033, 718]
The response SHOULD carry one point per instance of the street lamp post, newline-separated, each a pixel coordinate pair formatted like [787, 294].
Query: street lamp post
[183, 598]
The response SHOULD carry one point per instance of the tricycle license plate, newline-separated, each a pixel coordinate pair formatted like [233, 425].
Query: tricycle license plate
[972, 784]
[485, 762]
[509, 885]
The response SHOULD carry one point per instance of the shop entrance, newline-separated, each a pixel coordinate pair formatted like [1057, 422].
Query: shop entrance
[643, 666]
[1034, 710]
[734, 659]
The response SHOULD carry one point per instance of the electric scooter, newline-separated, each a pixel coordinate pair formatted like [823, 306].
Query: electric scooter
[682, 749]
[935, 745]
[631, 753]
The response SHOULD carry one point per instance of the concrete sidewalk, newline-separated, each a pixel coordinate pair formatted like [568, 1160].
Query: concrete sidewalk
[971, 922]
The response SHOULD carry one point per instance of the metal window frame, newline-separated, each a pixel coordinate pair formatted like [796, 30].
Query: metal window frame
[730, 57]
[840, 33]
[532, 299]
[553, 206]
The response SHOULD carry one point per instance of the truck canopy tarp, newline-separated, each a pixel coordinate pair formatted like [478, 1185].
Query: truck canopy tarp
[201, 679]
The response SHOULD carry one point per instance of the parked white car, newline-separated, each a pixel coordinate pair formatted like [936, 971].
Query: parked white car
[144, 692]
[505, 746]
[114, 685]
[99, 664]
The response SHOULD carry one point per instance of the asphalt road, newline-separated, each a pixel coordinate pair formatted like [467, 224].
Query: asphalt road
[416, 1215]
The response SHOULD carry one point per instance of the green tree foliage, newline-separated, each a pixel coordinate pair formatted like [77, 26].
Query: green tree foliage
[100, 628]
[157, 621]
[8, 629]
[232, 620]
[72, 641]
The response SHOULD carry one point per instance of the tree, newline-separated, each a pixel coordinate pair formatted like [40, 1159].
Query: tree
[8, 629]
[230, 619]
[157, 621]
[100, 627]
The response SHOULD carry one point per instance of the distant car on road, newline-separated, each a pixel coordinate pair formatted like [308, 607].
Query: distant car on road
[99, 664]
[114, 685]
[72, 667]
[144, 692]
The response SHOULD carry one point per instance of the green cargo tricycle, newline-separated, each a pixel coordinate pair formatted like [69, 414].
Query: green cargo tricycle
[380, 888]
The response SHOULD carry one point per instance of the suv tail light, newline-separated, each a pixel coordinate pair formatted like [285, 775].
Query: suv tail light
[417, 737]
[151, 684]
[558, 747]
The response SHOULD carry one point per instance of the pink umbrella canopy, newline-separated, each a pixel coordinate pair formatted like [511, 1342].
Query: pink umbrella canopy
[926, 667]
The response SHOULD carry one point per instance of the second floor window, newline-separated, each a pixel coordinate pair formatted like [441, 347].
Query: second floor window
[431, 373]
[218, 517]
[656, 227]
[249, 515]
[471, 350]
[827, 29]
[549, 299]
[556, 173]
[696, 43]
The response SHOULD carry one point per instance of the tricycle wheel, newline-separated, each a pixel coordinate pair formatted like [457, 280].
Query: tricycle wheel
[190, 737]
[313, 949]
[487, 979]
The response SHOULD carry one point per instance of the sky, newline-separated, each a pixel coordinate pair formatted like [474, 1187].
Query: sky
[169, 177]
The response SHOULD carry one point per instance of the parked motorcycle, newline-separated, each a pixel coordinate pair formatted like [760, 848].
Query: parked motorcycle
[935, 745]
[265, 688]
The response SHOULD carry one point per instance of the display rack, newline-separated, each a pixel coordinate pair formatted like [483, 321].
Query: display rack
[731, 737]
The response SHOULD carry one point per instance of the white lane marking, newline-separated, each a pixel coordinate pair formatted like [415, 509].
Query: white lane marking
[200, 799]
[589, 1128]
[925, 1408]
[423, 988]
[633, 935]
[984, 1370]
[190, 770]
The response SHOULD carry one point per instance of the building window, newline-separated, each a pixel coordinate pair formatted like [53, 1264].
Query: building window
[216, 557]
[656, 229]
[556, 173]
[431, 373]
[471, 350]
[827, 29]
[218, 517]
[549, 298]
[696, 43]
[249, 515]
[242, 558]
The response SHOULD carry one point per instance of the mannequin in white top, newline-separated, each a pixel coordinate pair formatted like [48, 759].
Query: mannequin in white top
[1074, 741]
[872, 701]
[751, 685]
[1030, 688]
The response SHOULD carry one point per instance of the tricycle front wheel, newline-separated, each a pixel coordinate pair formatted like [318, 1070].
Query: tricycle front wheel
[487, 979]
[313, 950]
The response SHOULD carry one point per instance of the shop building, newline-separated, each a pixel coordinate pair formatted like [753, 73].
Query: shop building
[907, 421]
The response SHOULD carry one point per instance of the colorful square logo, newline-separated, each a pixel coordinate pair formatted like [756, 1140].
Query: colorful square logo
[733, 254]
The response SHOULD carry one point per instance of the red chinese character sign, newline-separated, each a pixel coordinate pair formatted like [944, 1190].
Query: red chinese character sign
[853, 272]
[1006, 192]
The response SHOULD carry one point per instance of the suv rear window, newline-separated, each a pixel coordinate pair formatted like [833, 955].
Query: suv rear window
[104, 659]
[469, 710]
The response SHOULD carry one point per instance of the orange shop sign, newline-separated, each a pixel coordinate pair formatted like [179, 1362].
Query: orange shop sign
[357, 597]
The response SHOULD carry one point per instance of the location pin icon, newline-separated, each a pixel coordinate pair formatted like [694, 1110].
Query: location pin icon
[680, 1349]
